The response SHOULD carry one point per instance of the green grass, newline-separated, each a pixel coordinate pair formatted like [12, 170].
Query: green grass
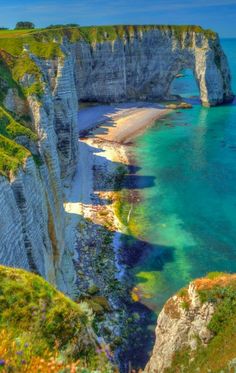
[36, 314]
[220, 351]
[12, 155]
[45, 43]
[214, 275]
[6, 80]
[10, 128]
[25, 65]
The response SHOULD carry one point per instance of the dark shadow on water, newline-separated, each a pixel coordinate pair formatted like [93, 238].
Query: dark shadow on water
[138, 326]
[134, 252]
[135, 350]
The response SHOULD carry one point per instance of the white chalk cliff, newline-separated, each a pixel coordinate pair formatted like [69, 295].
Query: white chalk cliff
[181, 324]
[142, 65]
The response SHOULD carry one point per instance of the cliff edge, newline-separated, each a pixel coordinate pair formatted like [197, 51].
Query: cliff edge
[41, 330]
[196, 328]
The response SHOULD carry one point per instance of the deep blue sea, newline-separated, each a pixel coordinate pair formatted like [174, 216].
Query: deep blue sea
[187, 215]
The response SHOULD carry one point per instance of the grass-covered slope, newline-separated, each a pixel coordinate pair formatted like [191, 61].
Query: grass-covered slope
[12, 124]
[12, 155]
[220, 354]
[41, 330]
[45, 43]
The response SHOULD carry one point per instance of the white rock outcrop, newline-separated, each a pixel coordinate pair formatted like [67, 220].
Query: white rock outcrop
[32, 223]
[181, 324]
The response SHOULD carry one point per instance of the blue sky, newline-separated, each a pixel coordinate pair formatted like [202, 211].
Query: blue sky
[219, 15]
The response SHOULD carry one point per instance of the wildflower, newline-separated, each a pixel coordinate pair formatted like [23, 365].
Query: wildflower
[23, 361]
[2, 362]
[19, 352]
[26, 345]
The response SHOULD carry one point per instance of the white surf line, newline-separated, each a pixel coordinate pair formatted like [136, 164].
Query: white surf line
[129, 214]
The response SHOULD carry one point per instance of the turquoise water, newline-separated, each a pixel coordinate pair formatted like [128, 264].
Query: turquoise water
[188, 217]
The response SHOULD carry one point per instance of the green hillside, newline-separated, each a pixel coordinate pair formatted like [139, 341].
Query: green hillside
[41, 326]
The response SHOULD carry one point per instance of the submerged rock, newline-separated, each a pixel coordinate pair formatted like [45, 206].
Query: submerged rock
[181, 105]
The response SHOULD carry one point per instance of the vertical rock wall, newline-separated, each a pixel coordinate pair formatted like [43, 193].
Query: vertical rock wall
[142, 65]
[32, 229]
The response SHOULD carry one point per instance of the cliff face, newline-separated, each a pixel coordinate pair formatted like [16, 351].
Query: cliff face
[143, 64]
[32, 225]
[42, 76]
[194, 329]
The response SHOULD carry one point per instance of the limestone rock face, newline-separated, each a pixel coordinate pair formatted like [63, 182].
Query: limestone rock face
[32, 223]
[143, 65]
[182, 323]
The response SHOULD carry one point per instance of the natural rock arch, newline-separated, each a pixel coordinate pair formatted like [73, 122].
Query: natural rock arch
[143, 65]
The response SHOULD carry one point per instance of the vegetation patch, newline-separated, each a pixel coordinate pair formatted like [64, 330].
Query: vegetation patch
[10, 128]
[12, 155]
[44, 327]
[45, 43]
[171, 309]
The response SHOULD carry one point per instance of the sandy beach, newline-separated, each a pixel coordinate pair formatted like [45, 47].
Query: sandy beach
[105, 130]
[120, 123]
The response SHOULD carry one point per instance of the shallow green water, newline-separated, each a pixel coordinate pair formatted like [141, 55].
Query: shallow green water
[188, 217]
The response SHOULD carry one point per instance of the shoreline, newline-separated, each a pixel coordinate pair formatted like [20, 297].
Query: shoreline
[120, 123]
[91, 207]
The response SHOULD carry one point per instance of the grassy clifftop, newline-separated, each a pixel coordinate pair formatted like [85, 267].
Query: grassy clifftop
[41, 330]
[45, 42]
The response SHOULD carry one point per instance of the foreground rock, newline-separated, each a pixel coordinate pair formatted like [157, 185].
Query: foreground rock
[195, 330]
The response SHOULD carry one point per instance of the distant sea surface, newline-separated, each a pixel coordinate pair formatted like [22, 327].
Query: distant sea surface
[187, 216]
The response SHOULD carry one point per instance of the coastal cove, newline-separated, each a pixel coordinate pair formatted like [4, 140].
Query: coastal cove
[180, 165]
[117, 193]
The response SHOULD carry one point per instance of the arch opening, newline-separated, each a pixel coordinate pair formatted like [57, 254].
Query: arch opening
[185, 86]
